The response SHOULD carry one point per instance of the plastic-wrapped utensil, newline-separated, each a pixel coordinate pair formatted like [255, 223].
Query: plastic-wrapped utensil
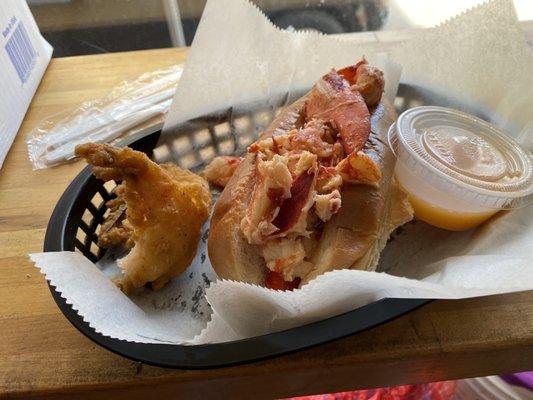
[128, 105]
[106, 134]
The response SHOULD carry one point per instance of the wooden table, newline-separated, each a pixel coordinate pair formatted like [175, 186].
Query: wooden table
[43, 356]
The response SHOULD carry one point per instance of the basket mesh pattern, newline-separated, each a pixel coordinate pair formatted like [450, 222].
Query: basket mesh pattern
[198, 141]
[91, 219]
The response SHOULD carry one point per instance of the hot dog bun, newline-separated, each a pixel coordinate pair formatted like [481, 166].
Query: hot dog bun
[353, 238]
[231, 255]
[357, 234]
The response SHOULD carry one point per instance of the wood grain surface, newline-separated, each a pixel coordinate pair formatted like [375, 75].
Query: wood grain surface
[43, 356]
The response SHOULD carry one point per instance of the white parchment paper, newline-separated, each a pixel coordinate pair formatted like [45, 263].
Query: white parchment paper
[480, 56]
[238, 57]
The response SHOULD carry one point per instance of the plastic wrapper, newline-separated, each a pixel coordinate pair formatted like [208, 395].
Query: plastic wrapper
[124, 111]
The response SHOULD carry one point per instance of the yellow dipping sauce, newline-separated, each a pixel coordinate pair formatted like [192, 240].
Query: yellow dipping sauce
[457, 169]
[447, 219]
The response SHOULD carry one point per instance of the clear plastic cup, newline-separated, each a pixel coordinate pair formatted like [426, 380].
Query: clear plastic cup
[457, 169]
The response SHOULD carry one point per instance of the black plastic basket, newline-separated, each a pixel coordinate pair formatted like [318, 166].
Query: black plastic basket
[81, 210]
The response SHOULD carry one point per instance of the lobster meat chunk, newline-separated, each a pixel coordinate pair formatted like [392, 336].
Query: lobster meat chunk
[366, 80]
[220, 170]
[333, 101]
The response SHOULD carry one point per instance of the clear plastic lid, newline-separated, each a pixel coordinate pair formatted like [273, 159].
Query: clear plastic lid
[464, 156]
